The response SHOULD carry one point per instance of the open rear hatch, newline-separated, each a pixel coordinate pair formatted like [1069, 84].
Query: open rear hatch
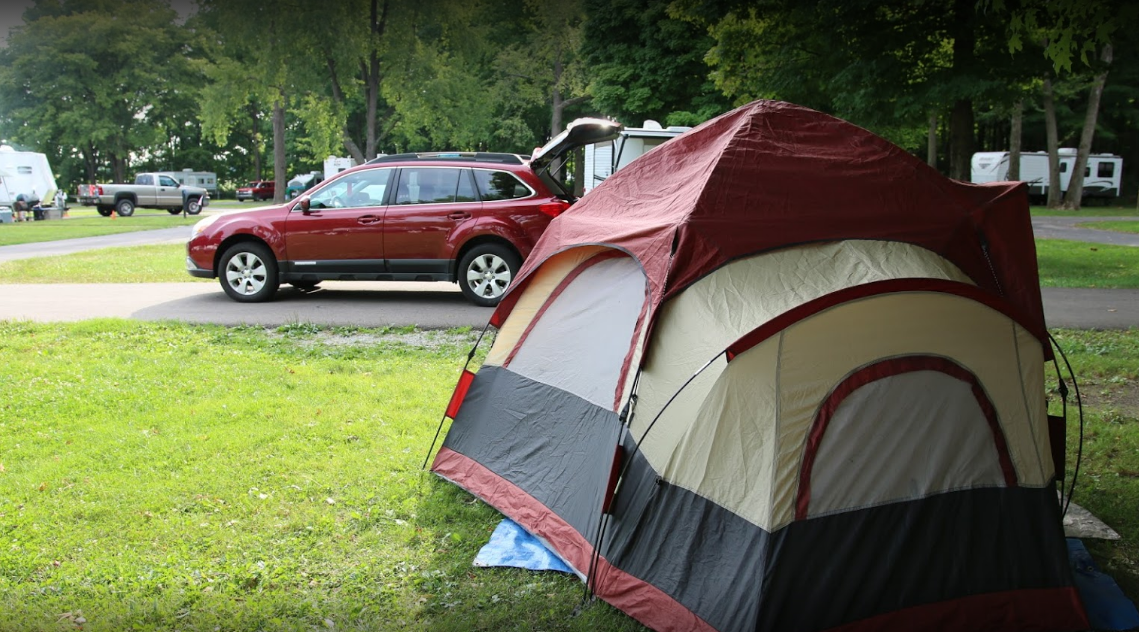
[549, 159]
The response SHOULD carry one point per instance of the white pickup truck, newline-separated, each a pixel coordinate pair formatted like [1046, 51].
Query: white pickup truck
[150, 190]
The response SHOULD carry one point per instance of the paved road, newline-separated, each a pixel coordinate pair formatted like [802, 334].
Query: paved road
[428, 305]
[337, 303]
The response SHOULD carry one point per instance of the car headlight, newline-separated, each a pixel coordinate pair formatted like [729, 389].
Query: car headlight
[203, 224]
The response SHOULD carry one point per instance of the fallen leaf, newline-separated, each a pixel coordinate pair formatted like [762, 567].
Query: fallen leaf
[43, 487]
[1, 467]
[330, 501]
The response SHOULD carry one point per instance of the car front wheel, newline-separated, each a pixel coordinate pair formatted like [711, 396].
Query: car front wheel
[194, 206]
[248, 273]
[486, 271]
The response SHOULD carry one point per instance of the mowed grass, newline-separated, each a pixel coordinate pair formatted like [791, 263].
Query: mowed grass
[1064, 263]
[1089, 210]
[1118, 226]
[76, 227]
[1106, 364]
[162, 263]
[175, 477]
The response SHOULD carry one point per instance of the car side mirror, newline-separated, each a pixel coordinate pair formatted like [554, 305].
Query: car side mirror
[305, 204]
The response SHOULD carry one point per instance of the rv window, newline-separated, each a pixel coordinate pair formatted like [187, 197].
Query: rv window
[1063, 167]
[24, 171]
[1087, 172]
[1105, 170]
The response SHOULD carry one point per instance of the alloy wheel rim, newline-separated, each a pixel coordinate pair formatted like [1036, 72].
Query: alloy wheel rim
[488, 276]
[246, 273]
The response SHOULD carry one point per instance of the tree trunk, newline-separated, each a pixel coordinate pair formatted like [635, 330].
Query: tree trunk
[1014, 139]
[1053, 145]
[931, 141]
[118, 169]
[371, 73]
[372, 92]
[961, 124]
[556, 98]
[338, 98]
[1076, 187]
[255, 133]
[961, 139]
[279, 173]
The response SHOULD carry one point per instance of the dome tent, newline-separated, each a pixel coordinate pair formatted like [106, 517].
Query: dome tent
[777, 374]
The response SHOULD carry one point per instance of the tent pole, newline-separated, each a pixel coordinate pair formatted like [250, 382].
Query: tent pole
[439, 429]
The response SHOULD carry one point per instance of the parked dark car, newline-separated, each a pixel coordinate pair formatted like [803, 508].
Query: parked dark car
[469, 218]
[257, 190]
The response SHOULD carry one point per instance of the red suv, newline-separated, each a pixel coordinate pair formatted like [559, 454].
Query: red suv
[257, 190]
[465, 217]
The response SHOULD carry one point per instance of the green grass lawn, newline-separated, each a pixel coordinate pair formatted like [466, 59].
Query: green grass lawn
[158, 476]
[83, 225]
[162, 263]
[174, 477]
[1065, 263]
[1107, 369]
[1089, 210]
[1118, 226]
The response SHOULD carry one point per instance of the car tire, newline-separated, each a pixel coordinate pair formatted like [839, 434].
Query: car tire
[486, 271]
[194, 206]
[248, 272]
[124, 207]
[174, 211]
[105, 211]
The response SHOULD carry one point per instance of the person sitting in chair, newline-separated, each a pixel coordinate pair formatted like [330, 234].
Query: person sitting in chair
[20, 208]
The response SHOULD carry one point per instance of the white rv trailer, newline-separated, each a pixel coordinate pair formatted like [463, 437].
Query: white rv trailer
[27, 173]
[207, 180]
[604, 158]
[1102, 176]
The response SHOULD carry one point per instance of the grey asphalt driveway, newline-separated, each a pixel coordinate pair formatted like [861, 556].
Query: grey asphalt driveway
[337, 303]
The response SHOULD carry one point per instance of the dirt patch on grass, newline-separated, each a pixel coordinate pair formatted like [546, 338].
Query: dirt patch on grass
[1115, 398]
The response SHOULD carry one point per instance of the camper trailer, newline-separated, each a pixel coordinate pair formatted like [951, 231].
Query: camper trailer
[207, 180]
[335, 164]
[1101, 177]
[605, 158]
[27, 173]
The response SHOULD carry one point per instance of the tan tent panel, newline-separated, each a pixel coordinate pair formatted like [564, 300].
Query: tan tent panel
[722, 307]
[544, 282]
[817, 354]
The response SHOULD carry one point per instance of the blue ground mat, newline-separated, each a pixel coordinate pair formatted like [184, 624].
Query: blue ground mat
[1108, 608]
[511, 545]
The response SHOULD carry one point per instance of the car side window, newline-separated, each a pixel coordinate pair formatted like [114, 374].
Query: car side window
[500, 185]
[145, 180]
[427, 185]
[359, 189]
[167, 181]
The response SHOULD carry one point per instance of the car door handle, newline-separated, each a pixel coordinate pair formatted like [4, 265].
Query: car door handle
[367, 220]
[459, 215]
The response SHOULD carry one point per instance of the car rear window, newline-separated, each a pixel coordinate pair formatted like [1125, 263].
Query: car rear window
[500, 185]
[427, 185]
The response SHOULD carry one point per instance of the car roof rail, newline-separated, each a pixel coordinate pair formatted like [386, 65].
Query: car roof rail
[461, 156]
